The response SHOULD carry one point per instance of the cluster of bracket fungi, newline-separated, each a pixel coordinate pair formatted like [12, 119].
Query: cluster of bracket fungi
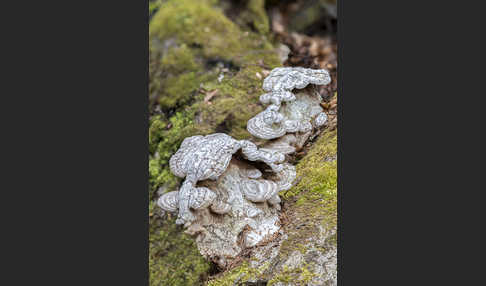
[230, 202]
[271, 123]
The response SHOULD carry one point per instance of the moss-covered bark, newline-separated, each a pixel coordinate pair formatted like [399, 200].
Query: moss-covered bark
[206, 73]
[173, 256]
[192, 44]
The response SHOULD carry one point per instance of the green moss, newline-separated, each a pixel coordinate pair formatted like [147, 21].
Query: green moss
[165, 138]
[156, 127]
[178, 90]
[173, 257]
[239, 274]
[180, 59]
[316, 192]
[154, 5]
[249, 15]
[317, 170]
[160, 175]
[298, 276]
[258, 15]
[244, 273]
[235, 104]
[186, 35]
[313, 201]
[195, 22]
[176, 76]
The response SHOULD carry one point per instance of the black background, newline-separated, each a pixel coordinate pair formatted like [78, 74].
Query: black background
[75, 143]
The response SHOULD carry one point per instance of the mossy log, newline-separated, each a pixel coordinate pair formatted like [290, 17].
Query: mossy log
[206, 71]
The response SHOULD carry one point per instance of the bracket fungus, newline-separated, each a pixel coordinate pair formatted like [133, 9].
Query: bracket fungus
[276, 120]
[207, 157]
[229, 201]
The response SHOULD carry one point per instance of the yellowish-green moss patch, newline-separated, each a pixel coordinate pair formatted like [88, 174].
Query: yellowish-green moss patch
[317, 175]
[154, 5]
[299, 276]
[187, 35]
[313, 201]
[180, 59]
[173, 256]
[242, 273]
[199, 23]
[255, 16]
